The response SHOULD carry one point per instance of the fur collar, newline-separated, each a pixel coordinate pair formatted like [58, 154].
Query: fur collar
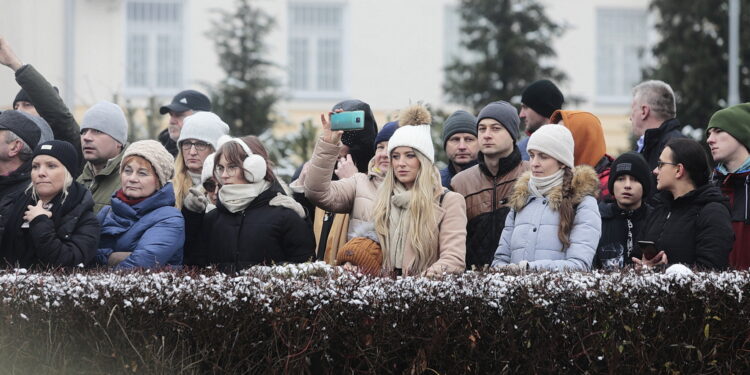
[585, 182]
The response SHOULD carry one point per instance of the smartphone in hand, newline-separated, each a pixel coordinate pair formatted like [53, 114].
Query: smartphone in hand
[352, 120]
[648, 249]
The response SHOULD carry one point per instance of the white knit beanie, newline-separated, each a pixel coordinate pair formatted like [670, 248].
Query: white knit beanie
[414, 131]
[156, 154]
[204, 126]
[208, 168]
[107, 118]
[555, 141]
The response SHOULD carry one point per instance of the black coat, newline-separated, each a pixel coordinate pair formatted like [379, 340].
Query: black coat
[694, 229]
[15, 181]
[261, 234]
[67, 239]
[654, 141]
[615, 231]
[167, 142]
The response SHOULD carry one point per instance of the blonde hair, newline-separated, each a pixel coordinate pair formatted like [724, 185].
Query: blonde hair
[66, 186]
[181, 183]
[422, 216]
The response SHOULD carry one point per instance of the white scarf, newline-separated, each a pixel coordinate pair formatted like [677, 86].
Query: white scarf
[237, 197]
[398, 225]
[196, 177]
[540, 186]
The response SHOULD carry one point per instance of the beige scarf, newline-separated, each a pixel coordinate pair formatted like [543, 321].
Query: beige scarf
[540, 186]
[398, 225]
[237, 197]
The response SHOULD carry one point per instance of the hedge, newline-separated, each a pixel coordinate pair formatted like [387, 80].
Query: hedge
[313, 318]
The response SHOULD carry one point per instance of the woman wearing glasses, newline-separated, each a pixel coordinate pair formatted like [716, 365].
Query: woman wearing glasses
[254, 222]
[142, 228]
[197, 140]
[690, 223]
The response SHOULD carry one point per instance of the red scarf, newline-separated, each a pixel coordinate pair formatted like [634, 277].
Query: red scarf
[130, 202]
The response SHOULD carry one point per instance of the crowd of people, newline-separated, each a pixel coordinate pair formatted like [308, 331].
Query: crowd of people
[372, 200]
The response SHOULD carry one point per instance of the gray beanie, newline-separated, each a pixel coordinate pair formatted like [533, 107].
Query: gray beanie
[203, 126]
[156, 154]
[555, 141]
[107, 118]
[46, 131]
[505, 113]
[459, 122]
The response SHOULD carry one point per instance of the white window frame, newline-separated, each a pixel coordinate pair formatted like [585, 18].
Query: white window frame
[153, 31]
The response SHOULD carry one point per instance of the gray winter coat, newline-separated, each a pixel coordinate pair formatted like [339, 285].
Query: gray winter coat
[531, 227]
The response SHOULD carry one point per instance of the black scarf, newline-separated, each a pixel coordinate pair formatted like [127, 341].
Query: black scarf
[505, 164]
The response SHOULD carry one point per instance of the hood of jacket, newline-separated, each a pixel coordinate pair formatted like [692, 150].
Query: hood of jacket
[700, 196]
[585, 182]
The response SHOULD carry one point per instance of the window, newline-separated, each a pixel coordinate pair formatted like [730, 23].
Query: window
[620, 44]
[316, 67]
[154, 46]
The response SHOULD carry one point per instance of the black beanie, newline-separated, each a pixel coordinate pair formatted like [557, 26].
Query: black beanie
[22, 96]
[543, 97]
[62, 151]
[634, 164]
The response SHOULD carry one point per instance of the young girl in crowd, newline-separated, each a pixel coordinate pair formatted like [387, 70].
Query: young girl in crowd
[141, 227]
[421, 226]
[691, 222]
[554, 223]
[52, 222]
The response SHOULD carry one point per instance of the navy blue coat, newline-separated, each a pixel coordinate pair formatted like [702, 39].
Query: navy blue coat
[153, 230]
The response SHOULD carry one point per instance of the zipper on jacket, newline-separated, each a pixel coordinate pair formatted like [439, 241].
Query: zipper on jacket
[237, 248]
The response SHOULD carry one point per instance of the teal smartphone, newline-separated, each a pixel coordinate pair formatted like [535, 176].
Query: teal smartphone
[354, 120]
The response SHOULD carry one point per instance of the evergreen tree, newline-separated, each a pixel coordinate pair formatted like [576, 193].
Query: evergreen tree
[692, 55]
[505, 43]
[244, 99]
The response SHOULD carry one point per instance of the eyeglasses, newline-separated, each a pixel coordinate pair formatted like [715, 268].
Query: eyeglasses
[210, 185]
[231, 170]
[199, 146]
[660, 164]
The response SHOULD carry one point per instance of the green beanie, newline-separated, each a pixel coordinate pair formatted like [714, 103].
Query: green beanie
[734, 120]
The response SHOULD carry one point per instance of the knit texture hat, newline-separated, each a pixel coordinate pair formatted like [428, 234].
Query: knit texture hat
[543, 97]
[386, 133]
[459, 122]
[634, 164]
[588, 135]
[107, 118]
[203, 126]
[63, 152]
[414, 131]
[363, 249]
[22, 125]
[555, 141]
[156, 154]
[734, 120]
[23, 96]
[208, 167]
[504, 113]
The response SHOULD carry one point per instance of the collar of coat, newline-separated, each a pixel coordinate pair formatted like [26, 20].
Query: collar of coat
[585, 182]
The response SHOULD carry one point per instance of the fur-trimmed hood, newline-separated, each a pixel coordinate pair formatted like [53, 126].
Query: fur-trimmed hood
[585, 182]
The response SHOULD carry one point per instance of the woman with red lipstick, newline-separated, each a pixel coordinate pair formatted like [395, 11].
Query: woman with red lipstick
[554, 223]
[52, 222]
[421, 225]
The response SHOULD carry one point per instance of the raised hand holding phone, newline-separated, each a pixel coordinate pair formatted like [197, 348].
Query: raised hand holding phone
[330, 136]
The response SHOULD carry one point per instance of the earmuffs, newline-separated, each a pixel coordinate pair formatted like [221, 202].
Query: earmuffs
[254, 165]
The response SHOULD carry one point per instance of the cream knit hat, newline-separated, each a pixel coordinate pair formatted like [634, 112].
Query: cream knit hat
[156, 154]
[555, 141]
[414, 131]
[204, 126]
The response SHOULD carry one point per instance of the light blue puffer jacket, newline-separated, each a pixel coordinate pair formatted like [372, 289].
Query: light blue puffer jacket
[531, 227]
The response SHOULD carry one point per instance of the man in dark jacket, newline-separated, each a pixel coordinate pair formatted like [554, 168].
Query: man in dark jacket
[39, 98]
[653, 115]
[488, 185]
[184, 104]
[538, 101]
[460, 144]
[729, 140]
[19, 136]
[622, 220]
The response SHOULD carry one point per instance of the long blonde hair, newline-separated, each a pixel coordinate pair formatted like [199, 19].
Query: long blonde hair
[422, 214]
[181, 181]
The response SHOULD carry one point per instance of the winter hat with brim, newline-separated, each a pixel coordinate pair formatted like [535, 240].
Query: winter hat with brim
[161, 160]
[734, 120]
[543, 97]
[63, 151]
[203, 126]
[504, 113]
[414, 131]
[555, 141]
[107, 118]
[588, 135]
[459, 122]
[254, 166]
[386, 133]
[187, 100]
[631, 163]
[45, 131]
[22, 125]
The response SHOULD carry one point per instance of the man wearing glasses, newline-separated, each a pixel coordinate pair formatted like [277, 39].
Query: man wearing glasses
[104, 138]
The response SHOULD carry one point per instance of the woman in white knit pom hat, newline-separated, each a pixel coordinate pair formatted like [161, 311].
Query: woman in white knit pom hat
[421, 226]
[554, 222]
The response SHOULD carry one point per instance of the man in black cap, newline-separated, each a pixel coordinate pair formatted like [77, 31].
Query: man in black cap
[538, 101]
[19, 135]
[183, 105]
